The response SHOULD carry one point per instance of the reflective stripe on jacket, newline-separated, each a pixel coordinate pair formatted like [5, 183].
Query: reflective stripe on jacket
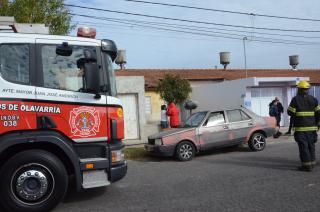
[306, 112]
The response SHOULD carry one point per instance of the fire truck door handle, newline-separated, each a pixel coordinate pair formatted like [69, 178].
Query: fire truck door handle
[113, 128]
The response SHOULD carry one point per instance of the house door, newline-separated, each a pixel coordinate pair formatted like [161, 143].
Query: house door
[261, 98]
[130, 110]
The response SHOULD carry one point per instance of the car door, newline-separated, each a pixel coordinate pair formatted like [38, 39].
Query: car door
[214, 130]
[239, 125]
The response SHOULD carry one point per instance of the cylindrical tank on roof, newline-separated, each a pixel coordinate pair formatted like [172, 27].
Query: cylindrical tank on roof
[224, 58]
[294, 61]
[121, 58]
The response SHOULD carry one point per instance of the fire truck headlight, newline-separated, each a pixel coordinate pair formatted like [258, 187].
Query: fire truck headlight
[117, 156]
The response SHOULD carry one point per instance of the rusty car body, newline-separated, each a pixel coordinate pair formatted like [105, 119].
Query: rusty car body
[211, 129]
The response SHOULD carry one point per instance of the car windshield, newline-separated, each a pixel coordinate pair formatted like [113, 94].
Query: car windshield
[195, 119]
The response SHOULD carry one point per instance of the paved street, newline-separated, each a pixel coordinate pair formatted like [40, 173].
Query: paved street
[229, 180]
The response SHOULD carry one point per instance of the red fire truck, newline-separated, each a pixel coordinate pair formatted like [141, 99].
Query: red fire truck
[59, 118]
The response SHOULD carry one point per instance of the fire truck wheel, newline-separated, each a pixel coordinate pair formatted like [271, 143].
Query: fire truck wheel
[185, 151]
[32, 181]
[257, 142]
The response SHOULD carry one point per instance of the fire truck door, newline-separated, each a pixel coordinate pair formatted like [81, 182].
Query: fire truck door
[64, 104]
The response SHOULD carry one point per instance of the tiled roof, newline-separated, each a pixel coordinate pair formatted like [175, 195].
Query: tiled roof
[152, 76]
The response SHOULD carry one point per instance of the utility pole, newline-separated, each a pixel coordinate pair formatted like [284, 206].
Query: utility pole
[245, 55]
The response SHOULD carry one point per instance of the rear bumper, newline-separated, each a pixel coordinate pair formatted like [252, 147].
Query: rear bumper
[161, 150]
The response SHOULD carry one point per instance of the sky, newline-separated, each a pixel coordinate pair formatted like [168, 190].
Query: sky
[192, 45]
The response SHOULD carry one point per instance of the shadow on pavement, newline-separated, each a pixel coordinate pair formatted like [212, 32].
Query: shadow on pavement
[223, 150]
[75, 196]
[260, 162]
[154, 158]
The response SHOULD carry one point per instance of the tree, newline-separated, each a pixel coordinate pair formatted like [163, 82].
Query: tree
[53, 13]
[174, 89]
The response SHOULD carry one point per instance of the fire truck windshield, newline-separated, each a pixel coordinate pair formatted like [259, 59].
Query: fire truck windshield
[110, 73]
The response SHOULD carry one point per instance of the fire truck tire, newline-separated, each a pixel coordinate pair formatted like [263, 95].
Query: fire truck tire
[257, 142]
[32, 181]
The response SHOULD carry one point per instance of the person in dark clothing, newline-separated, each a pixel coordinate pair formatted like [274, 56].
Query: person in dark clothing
[275, 110]
[305, 111]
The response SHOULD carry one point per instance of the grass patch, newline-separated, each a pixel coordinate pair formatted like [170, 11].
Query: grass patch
[136, 153]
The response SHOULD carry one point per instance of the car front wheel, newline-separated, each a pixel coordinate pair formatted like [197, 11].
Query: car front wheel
[257, 142]
[185, 151]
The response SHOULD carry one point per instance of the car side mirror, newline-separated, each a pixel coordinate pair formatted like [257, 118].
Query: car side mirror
[91, 74]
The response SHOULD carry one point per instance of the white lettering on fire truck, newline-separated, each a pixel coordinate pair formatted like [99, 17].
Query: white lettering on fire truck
[40, 109]
[10, 120]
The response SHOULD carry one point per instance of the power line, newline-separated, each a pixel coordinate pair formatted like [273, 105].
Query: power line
[226, 11]
[210, 28]
[239, 36]
[191, 21]
[207, 33]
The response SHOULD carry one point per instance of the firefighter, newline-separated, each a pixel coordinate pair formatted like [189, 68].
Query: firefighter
[174, 114]
[305, 111]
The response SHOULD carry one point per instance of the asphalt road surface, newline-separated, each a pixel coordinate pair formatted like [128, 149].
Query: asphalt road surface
[234, 179]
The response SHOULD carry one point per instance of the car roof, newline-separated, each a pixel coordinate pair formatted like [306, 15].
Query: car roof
[220, 109]
[233, 108]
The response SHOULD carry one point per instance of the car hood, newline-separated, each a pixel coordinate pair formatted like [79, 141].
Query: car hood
[170, 132]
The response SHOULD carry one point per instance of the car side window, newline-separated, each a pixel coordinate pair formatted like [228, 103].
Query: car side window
[244, 116]
[237, 115]
[214, 119]
[14, 63]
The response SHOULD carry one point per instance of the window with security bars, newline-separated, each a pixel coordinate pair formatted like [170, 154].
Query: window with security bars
[148, 105]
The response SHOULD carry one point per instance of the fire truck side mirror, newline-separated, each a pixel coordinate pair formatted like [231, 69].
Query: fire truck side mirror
[91, 74]
[64, 50]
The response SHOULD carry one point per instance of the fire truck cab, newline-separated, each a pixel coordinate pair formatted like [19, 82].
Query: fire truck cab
[60, 120]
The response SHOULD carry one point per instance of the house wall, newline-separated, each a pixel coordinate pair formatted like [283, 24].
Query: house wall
[156, 102]
[221, 95]
[134, 85]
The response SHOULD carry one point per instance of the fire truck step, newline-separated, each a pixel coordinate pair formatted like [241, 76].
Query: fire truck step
[95, 178]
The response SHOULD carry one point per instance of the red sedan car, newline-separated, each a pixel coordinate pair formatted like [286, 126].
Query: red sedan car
[209, 129]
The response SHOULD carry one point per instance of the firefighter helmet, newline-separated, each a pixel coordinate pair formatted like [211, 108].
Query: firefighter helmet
[303, 84]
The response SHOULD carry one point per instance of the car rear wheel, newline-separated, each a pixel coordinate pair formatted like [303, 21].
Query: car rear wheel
[185, 151]
[257, 142]
[32, 181]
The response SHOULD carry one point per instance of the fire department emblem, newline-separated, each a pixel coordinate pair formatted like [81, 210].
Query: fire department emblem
[84, 121]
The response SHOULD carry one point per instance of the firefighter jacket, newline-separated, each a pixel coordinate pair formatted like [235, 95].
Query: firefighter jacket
[305, 112]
